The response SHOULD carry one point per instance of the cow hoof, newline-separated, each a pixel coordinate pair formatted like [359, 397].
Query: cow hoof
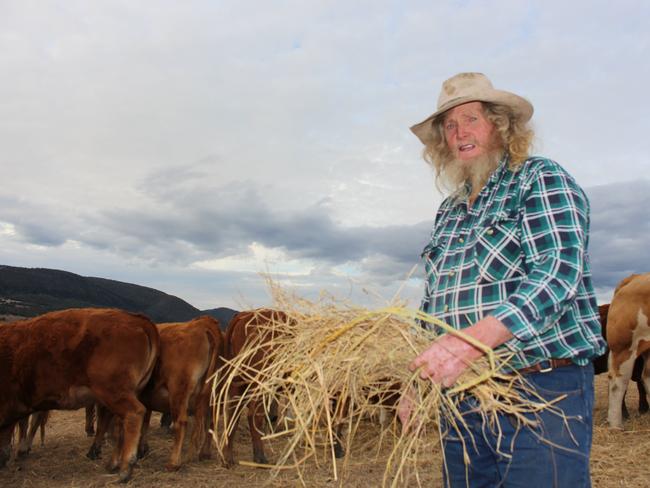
[260, 459]
[4, 457]
[205, 456]
[94, 453]
[112, 468]
[143, 451]
[172, 467]
[339, 452]
[22, 454]
[228, 462]
[125, 475]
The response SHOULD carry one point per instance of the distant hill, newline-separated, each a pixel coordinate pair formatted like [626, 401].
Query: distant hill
[28, 292]
[222, 314]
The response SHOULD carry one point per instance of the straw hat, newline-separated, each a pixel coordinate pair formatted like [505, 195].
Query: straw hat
[471, 87]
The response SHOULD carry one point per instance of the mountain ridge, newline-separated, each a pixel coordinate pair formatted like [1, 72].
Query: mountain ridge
[28, 292]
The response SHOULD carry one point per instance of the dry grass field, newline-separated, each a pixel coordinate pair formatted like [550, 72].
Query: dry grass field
[619, 459]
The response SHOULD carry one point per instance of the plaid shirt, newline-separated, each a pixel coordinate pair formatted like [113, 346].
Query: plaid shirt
[518, 254]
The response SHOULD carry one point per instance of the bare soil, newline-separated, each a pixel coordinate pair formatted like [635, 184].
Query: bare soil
[619, 459]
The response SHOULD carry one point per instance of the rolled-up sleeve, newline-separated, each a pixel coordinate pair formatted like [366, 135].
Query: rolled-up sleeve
[554, 234]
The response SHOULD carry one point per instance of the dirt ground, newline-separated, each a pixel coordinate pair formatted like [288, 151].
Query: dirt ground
[619, 459]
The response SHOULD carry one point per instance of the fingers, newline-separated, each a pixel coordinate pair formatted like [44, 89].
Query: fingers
[443, 361]
[405, 408]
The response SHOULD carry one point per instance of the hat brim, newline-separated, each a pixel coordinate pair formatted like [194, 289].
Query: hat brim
[521, 107]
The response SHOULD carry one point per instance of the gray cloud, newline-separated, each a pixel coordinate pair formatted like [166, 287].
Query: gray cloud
[620, 230]
[137, 140]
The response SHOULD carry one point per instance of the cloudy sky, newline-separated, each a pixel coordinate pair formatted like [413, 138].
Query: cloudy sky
[190, 145]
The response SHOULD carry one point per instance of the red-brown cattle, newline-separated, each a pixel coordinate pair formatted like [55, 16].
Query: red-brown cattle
[245, 328]
[190, 354]
[71, 359]
[628, 337]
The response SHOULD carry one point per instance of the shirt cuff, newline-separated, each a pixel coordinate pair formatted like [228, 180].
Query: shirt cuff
[520, 321]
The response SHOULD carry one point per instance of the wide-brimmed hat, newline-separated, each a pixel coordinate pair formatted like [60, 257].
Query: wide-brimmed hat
[471, 87]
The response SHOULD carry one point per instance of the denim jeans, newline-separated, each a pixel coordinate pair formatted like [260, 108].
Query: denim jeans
[507, 455]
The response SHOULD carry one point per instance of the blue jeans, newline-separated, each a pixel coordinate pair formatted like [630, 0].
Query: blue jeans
[507, 455]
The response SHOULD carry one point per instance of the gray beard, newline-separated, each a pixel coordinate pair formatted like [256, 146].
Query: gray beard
[459, 174]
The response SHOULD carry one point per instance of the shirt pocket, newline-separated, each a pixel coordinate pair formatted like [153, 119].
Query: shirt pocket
[432, 255]
[497, 252]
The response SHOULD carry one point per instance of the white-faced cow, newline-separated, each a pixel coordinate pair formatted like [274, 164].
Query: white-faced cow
[601, 365]
[628, 337]
[72, 359]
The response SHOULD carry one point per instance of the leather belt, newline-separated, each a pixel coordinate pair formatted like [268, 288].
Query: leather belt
[546, 365]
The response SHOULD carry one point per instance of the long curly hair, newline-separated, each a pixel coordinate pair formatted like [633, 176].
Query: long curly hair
[515, 136]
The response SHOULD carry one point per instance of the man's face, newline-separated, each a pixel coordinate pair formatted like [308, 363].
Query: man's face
[468, 133]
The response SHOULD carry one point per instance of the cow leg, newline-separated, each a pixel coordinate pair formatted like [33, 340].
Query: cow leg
[644, 385]
[256, 419]
[624, 410]
[644, 407]
[90, 421]
[233, 410]
[273, 412]
[619, 374]
[41, 424]
[166, 422]
[23, 445]
[128, 416]
[132, 417]
[339, 450]
[117, 434]
[104, 417]
[143, 446]
[37, 420]
[5, 443]
[202, 423]
[179, 419]
[340, 408]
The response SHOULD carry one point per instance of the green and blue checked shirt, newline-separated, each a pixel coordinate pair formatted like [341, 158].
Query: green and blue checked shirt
[518, 254]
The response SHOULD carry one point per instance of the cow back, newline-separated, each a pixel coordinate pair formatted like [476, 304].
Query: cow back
[59, 359]
[629, 309]
[190, 353]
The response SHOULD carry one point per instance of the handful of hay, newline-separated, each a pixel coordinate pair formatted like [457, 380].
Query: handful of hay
[331, 366]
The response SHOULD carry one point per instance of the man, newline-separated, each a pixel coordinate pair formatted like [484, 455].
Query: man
[507, 263]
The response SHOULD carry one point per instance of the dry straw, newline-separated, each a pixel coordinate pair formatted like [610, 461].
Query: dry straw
[332, 365]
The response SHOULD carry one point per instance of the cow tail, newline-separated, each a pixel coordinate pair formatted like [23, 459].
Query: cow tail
[154, 350]
[203, 412]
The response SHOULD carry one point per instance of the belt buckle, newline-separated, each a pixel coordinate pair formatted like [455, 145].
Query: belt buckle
[547, 369]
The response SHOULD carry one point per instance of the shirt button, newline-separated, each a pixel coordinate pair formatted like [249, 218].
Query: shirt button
[446, 308]
[490, 231]
[461, 240]
[452, 273]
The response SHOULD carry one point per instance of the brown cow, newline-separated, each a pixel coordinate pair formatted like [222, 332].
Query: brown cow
[246, 328]
[72, 358]
[190, 353]
[601, 366]
[628, 337]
